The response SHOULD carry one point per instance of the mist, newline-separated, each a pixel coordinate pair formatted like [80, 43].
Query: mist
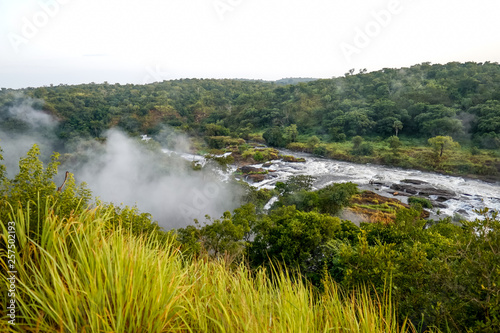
[23, 124]
[121, 170]
[127, 171]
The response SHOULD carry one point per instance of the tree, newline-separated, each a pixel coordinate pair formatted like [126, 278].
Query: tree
[295, 184]
[394, 142]
[313, 141]
[274, 137]
[294, 238]
[218, 237]
[356, 141]
[33, 188]
[291, 133]
[440, 143]
[398, 125]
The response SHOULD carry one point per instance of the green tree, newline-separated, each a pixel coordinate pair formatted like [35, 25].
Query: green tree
[274, 137]
[398, 125]
[294, 238]
[295, 184]
[356, 141]
[334, 197]
[365, 149]
[312, 142]
[394, 142]
[441, 143]
[34, 187]
[224, 236]
[291, 133]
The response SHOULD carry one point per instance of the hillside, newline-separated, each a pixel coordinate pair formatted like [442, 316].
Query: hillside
[456, 100]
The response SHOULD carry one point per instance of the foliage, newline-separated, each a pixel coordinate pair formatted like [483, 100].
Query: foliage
[445, 276]
[398, 125]
[356, 141]
[295, 183]
[313, 141]
[294, 238]
[423, 202]
[108, 271]
[219, 237]
[459, 100]
[364, 149]
[328, 200]
[394, 142]
[274, 137]
[34, 188]
[441, 143]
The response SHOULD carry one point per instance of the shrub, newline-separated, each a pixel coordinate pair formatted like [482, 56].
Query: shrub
[425, 203]
[320, 150]
[258, 157]
[364, 149]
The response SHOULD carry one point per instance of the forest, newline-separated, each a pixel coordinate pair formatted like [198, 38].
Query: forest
[82, 264]
[394, 111]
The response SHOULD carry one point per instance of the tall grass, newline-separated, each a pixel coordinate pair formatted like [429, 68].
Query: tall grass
[84, 275]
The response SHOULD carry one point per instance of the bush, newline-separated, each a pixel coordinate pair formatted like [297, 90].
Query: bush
[298, 146]
[425, 203]
[364, 149]
[274, 137]
[320, 150]
[258, 157]
[475, 151]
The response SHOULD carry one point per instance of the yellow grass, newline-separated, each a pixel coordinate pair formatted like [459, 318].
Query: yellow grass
[85, 276]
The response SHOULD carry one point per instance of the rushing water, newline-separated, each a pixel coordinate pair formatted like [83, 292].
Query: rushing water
[468, 194]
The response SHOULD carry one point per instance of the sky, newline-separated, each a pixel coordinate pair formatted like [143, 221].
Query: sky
[45, 42]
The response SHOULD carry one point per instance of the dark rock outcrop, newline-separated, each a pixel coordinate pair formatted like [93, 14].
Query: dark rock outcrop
[422, 190]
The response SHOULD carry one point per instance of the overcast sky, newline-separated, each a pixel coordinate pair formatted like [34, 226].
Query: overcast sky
[80, 41]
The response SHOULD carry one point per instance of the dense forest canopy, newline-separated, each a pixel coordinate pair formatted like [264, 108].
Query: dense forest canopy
[461, 100]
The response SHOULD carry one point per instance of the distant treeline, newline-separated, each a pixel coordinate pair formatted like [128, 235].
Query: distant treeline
[461, 100]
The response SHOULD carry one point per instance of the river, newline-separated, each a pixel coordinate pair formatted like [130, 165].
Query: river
[455, 196]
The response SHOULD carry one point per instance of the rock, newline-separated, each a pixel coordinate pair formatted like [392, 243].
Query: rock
[256, 178]
[266, 165]
[404, 188]
[437, 204]
[401, 194]
[428, 191]
[377, 180]
[442, 199]
[378, 208]
[413, 181]
[249, 169]
[424, 191]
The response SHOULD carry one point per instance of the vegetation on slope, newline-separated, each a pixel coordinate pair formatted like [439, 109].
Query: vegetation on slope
[456, 100]
[105, 269]
[83, 275]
